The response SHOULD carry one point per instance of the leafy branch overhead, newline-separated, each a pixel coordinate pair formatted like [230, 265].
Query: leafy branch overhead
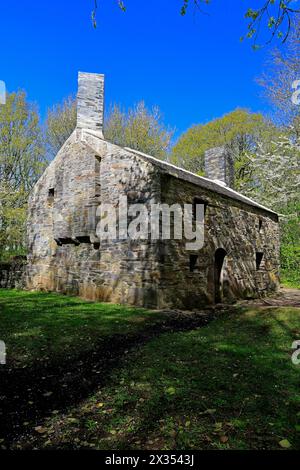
[121, 5]
[278, 16]
[273, 15]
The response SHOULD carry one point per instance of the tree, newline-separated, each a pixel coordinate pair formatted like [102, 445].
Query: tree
[21, 149]
[276, 184]
[140, 129]
[60, 123]
[240, 131]
[13, 214]
[276, 181]
[21, 163]
[290, 244]
[278, 16]
[281, 72]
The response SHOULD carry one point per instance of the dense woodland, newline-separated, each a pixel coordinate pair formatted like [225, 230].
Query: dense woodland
[266, 150]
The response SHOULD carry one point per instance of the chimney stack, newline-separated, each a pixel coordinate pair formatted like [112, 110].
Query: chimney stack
[90, 101]
[219, 166]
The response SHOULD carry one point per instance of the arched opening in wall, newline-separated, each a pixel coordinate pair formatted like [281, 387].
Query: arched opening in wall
[218, 273]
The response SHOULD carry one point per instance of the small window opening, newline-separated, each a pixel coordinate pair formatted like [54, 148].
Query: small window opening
[259, 258]
[83, 239]
[51, 196]
[260, 224]
[96, 246]
[193, 263]
[162, 254]
[67, 241]
[198, 201]
[97, 177]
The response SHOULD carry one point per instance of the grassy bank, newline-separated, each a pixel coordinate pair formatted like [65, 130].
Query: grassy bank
[38, 326]
[290, 279]
[228, 385]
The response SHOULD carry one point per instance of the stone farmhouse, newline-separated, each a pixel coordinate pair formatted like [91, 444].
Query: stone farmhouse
[240, 256]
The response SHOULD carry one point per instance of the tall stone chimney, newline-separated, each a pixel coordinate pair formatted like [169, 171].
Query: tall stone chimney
[90, 101]
[219, 166]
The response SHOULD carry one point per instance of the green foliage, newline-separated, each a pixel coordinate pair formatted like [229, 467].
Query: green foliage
[38, 325]
[267, 162]
[196, 3]
[239, 130]
[140, 129]
[275, 167]
[276, 184]
[13, 216]
[21, 163]
[273, 15]
[21, 148]
[229, 385]
[60, 123]
[290, 245]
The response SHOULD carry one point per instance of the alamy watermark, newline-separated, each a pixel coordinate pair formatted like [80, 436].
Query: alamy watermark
[143, 222]
[2, 353]
[152, 221]
[2, 92]
[296, 94]
[296, 353]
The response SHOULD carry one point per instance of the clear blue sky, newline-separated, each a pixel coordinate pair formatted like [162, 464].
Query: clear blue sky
[195, 68]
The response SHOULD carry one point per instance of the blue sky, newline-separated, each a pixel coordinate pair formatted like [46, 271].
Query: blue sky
[194, 68]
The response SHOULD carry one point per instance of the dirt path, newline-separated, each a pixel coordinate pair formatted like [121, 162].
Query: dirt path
[285, 297]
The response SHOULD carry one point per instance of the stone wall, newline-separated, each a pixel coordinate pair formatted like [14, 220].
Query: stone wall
[12, 273]
[240, 230]
[66, 256]
[241, 250]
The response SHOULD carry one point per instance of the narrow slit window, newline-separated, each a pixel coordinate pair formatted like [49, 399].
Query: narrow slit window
[162, 254]
[51, 193]
[260, 224]
[259, 258]
[97, 177]
[193, 263]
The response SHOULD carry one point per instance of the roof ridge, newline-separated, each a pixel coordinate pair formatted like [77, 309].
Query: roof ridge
[203, 178]
[206, 182]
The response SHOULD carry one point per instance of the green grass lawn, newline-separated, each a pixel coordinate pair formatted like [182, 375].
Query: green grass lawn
[228, 385]
[291, 281]
[48, 327]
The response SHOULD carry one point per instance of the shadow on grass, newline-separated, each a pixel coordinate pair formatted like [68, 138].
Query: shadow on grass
[230, 385]
[60, 349]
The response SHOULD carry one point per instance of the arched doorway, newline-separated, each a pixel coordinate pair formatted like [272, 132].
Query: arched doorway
[218, 274]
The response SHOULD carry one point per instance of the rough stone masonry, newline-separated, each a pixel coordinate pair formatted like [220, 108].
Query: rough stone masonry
[240, 256]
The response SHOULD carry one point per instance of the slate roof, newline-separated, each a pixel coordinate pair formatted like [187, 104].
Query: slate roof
[201, 181]
[180, 173]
